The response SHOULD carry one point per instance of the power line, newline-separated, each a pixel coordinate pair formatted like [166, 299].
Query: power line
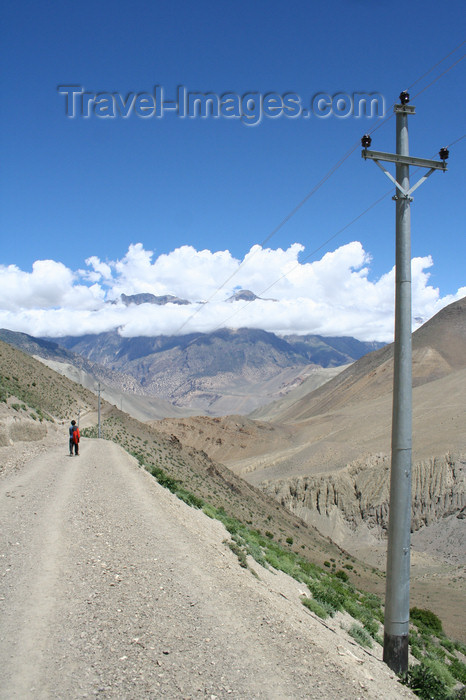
[457, 140]
[273, 232]
[316, 250]
[317, 187]
[387, 119]
[340, 231]
[310, 255]
[436, 64]
[439, 76]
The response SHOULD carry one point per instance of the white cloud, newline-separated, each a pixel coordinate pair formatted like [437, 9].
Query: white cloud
[330, 296]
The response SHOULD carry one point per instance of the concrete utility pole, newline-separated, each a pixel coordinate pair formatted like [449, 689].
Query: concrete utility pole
[98, 412]
[395, 651]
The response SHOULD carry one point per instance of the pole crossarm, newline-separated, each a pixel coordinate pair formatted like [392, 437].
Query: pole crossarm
[404, 160]
[378, 156]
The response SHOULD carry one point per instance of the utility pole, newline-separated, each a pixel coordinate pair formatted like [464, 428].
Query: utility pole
[98, 412]
[395, 650]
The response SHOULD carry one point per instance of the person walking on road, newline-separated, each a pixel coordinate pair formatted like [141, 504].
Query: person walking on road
[74, 438]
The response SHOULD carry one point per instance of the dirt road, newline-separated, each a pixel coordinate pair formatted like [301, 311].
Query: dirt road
[112, 587]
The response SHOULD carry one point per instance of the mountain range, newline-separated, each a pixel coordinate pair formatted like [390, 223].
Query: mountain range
[218, 373]
[223, 372]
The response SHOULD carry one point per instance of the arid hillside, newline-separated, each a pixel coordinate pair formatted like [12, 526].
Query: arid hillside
[325, 455]
[439, 348]
[35, 402]
[349, 417]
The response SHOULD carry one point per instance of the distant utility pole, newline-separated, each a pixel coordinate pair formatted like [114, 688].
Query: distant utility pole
[395, 650]
[98, 412]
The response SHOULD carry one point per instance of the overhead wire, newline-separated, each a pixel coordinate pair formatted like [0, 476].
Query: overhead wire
[324, 244]
[418, 80]
[439, 76]
[317, 187]
[273, 232]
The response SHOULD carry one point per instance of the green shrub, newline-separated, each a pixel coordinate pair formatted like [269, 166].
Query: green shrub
[236, 549]
[189, 498]
[310, 569]
[342, 575]
[325, 593]
[315, 607]
[426, 619]
[423, 681]
[458, 670]
[360, 635]
[256, 553]
[447, 644]
[164, 480]
[440, 670]
[209, 510]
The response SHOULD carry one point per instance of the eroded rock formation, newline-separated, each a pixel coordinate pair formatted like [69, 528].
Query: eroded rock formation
[360, 492]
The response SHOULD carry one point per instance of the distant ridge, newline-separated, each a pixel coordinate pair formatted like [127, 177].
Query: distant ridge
[439, 347]
[146, 298]
[246, 295]
[218, 373]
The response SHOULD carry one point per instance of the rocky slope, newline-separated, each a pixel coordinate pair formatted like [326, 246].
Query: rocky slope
[219, 373]
[361, 493]
[325, 454]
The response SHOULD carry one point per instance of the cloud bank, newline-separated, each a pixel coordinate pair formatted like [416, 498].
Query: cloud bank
[330, 296]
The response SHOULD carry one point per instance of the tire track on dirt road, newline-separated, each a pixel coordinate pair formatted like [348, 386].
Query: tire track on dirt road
[112, 587]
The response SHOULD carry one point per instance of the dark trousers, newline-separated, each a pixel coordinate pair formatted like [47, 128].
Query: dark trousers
[75, 445]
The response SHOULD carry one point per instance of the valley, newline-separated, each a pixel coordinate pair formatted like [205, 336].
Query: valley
[311, 467]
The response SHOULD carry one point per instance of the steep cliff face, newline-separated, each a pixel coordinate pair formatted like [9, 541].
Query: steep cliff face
[360, 492]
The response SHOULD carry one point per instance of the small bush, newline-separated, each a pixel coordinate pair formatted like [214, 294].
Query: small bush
[426, 619]
[189, 498]
[326, 594]
[316, 607]
[236, 549]
[360, 635]
[423, 681]
[209, 510]
[440, 671]
[164, 480]
[448, 645]
[458, 670]
[342, 575]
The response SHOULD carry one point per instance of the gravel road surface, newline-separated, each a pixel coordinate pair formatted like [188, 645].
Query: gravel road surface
[111, 587]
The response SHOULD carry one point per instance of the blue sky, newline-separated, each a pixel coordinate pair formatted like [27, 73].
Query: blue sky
[77, 190]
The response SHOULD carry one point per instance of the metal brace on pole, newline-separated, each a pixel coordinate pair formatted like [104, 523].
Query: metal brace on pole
[395, 651]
